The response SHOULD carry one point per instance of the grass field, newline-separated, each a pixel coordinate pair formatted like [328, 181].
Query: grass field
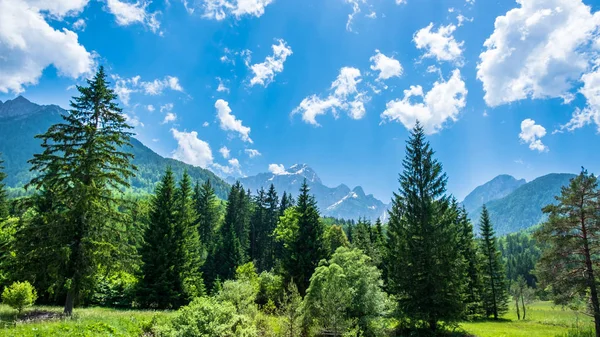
[544, 320]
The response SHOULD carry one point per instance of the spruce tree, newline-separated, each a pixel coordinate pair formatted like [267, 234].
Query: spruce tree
[271, 219]
[3, 196]
[159, 285]
[495, 290]
[468, 249]
[189, 249]
[258, 229]
[378, 242]
[88, 150]
[361, 237]
[207, 209]
[309, 246]
[287, 201]
[424, 266]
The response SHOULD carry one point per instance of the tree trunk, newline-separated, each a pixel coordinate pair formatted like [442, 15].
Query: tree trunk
[69, 303]
[517, 304]
[523, 303]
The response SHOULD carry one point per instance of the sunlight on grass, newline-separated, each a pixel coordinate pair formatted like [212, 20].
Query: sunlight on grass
[543, 320]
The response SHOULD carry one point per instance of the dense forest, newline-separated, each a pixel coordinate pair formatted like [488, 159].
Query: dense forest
[227, 265]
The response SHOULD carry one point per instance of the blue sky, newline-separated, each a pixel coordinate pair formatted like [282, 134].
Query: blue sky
[244, 86]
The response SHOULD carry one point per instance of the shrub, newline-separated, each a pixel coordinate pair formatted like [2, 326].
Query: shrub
[208, 317]
[19, 295]
[271, 288]
[116, 290]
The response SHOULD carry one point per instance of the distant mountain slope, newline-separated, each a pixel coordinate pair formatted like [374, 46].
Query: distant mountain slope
[494, 189]
[339, 202]
[522, 208]
[21, 120]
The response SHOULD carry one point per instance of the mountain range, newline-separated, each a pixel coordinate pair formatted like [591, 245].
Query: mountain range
[338, 202]
[513, 204]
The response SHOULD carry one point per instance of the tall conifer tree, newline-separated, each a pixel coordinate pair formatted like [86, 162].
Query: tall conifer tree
[468, 248]
[424, 265]
[309, 246]
[271, 218]
[207, 209]
[88, 151]
[495, 290]
[3, 196]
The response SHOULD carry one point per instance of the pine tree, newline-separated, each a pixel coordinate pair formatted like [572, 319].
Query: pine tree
[3, 196]
[468, 249]
[424, 265]
[572, 238]
[258, 228]
[159, 285]
[287, 201]
[309, 246]
[87, 152]
[361, 237]
[207, 209]
[495, 290]
[271, 219]
[378, 242]
[189, 248]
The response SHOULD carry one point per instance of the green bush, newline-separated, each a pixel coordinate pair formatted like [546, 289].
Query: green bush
[19, 295]
[209, 317]
[116, 290]
[271, 289]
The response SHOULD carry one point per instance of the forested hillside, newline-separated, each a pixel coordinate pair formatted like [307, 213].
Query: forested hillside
[21, 120]
[522, 208]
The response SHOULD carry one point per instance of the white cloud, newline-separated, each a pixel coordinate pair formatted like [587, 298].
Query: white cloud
[233, 167]
[228, 122]
[191, 149]
[133, 120]
[531, 134]
[150, 107]
[400, 2]
[372, 15]
[79, 25]
[127, 13]
[167, 107]
[537, 50]
[439, 44]
[277, 168]
[224, 152]
[591, 112]
[461, 19]
[28, 44]
[264, 72]
[221, 87]
[205, 124]
[252, 153]
[442, 103]
[220, 9]
[355, 10]
[124, 87]
[345, 97]
[387, 66]
[58, 8]
[169, 117]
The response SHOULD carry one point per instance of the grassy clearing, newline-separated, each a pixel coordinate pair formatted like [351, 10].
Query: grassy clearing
[543, 320]
[88, 322]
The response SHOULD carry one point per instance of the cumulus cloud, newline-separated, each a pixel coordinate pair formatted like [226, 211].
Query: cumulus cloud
[277, 168]
[439, 44]
[28, 44]
[591, 112]
[128, 13]
[441, 104]
[537, 50]
[133, 120]
[224, 152]
[531, 134]
[228, 122]
[150, 107]
[345, 97]
[220, 9]
[233, 167]
[388, 67]
[252, 153]
[79, 25]
[265, 72]
[221, 87]
[191, 150]
[124, 87]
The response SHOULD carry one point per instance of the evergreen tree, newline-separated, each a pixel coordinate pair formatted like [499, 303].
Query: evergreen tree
[258, 228]
[230, 252]
[572, 235]
[468, 249]
[495, 290]
[207, 209]
[361, 237]
[309, 246]
[267, 255]
[189, 249]
[378, 242]
[3, 196]
[424, 265]
[287, 201]
[159, 285]
[87, 151]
